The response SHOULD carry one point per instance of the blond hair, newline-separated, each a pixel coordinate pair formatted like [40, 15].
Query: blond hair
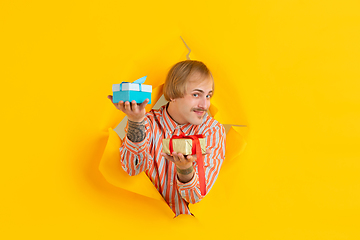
[175, 83]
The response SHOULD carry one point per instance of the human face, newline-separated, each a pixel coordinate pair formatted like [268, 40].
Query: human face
[192, 107]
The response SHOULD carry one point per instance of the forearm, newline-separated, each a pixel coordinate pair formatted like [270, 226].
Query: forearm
[185, 175]
[136, 131]
[134, 150]
[190, 190]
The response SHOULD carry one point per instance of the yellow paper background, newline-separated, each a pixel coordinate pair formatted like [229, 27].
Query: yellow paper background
[289, 70]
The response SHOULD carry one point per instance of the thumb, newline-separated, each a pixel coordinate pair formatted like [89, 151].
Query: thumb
[144, 103]
[191, 158]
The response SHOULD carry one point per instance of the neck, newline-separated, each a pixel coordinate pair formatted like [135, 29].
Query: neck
[172, 111]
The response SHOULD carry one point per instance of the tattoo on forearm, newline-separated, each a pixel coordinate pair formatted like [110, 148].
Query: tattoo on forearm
[185, 171]
[136, 131]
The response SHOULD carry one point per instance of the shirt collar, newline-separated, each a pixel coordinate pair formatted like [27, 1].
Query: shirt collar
[170, 124]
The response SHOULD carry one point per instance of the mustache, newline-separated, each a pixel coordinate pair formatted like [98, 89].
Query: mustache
[199, 109]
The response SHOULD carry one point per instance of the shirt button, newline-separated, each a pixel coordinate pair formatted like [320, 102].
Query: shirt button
[171, 184]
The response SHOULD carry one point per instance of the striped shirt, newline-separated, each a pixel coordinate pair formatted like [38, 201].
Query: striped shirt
[146, 156]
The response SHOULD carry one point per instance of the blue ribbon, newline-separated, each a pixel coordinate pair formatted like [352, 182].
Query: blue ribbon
[139, 81]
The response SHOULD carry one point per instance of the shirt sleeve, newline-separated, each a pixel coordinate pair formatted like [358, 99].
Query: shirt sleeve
[135, 157]
[215, 141]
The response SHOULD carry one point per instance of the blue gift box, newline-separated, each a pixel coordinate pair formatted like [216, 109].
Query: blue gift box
[137, 91]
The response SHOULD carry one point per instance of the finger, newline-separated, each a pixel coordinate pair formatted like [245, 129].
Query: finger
[134, 106]
[181, 157]
[121, 106]
[194, 157]
[127, 106]
[143, 104]
[167, 157]
[111, 99]
[191, 158]
[178, 157]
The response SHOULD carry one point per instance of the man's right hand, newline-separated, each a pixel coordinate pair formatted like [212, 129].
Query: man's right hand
[134, 112]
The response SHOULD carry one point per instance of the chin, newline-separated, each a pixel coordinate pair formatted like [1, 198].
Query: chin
[196, 121]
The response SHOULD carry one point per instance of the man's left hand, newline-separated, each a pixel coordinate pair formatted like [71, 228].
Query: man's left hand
[180, 160]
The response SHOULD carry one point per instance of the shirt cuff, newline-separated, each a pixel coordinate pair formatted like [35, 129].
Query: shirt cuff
[135, 148]
[189, 185]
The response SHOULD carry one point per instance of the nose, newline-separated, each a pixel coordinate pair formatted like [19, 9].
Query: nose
[204, 103]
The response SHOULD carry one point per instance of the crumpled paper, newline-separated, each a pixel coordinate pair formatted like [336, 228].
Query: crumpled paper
[110, 165]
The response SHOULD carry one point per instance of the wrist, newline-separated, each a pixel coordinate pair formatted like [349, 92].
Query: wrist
[136, 120]
[185, 166]
[185, 171]
[185, 175]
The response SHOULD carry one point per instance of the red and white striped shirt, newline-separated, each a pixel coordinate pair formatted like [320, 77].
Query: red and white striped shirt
[146, 156]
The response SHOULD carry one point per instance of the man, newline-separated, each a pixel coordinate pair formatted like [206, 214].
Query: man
[189, 87]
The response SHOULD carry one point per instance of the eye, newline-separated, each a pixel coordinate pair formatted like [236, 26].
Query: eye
[208, 96]
[195, 94]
